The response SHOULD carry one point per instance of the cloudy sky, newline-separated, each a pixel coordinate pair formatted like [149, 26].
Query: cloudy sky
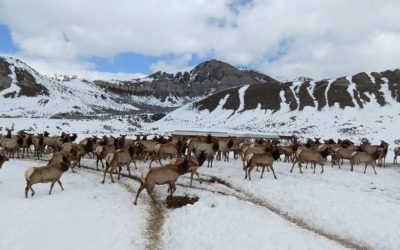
[121, 38]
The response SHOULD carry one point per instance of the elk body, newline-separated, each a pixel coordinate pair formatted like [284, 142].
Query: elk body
[209, 149]
[121, 157]
[310, 155]
[343, 153]
[364, 157]
[261, 160]
[50, 173]
[12, 145]
[396, 153]
[168, 174]
[167, 149]
[3, 158]
[224, 147]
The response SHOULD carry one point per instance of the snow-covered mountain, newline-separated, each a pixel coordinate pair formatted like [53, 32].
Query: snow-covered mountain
[26, 93]
[363, 105]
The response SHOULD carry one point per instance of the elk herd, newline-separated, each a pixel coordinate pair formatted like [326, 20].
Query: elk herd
[185, 154]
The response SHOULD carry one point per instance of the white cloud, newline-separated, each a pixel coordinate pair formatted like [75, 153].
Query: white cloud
[329, 38]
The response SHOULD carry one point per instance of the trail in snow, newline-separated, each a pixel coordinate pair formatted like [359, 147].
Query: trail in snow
[157, 214]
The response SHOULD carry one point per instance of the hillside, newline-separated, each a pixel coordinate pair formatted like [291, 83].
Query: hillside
[366, 104]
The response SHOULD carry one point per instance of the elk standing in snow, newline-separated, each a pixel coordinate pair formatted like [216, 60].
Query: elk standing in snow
[168, 174]
[396, 153]
[50, 173]
[264, 160]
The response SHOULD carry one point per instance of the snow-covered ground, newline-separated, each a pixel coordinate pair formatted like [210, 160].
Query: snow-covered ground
[87, 215]
[362, 209]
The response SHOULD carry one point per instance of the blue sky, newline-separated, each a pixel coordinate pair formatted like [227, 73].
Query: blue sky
[6, 43]
[288, 38]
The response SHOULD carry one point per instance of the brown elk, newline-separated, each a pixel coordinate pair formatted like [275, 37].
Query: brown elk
[168, 174]
[12, 145]
[364, 157]
[263, 160]
[50, 173]
[120, 158]
[311, 155]
[3, 158]
[104, 147]
[168, 149]
[341, 154]
[224, 147]
[396, 153]
[209, 148]
[38, 143]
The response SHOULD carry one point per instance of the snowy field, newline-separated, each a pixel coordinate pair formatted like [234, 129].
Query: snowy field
[338, 209]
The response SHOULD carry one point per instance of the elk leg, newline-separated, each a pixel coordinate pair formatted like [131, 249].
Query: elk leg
[249, 172]
[51, 186]
[59, 183]
[198, 176]
[262, 171]
[373, 167]
[365, 169]
[142, 186]
[111, 172]
[172, 187]
[119, 171]
[322, 166]
[273, 172]
[294, 163]
[105, 172]
[26, 190]
[150, 192]
[134, 163]
[129, 169]
[97, 163]
[300, 167]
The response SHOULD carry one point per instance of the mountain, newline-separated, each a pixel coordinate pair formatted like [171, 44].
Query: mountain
[183, 87]
[366, 104]
[27, 93]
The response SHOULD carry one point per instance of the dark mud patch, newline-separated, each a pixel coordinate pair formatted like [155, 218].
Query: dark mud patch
[180, 201]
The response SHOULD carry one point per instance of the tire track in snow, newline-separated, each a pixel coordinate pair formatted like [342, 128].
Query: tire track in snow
[246, 196]
[156, 212]
[156, 215]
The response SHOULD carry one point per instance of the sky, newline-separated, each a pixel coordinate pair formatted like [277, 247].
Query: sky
[127, 39]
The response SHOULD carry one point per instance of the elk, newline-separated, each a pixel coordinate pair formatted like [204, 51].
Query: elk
[103, 149]
[252, 149]
[168, 174]
[396, 153]
[224, 146]
[53, 142]
[120, 158]
[167, 149]
[38, 143]
[3, 158]
[193, 170]
[311, 155]
[364, 157]
[50, 173]
[343, 153]
[263, 160]
[12, 145]
[209, 148]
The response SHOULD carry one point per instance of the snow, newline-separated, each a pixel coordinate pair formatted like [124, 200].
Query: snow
[363, 209]
[86, 215]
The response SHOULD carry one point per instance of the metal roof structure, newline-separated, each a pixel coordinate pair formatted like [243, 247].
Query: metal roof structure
[227, 134]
